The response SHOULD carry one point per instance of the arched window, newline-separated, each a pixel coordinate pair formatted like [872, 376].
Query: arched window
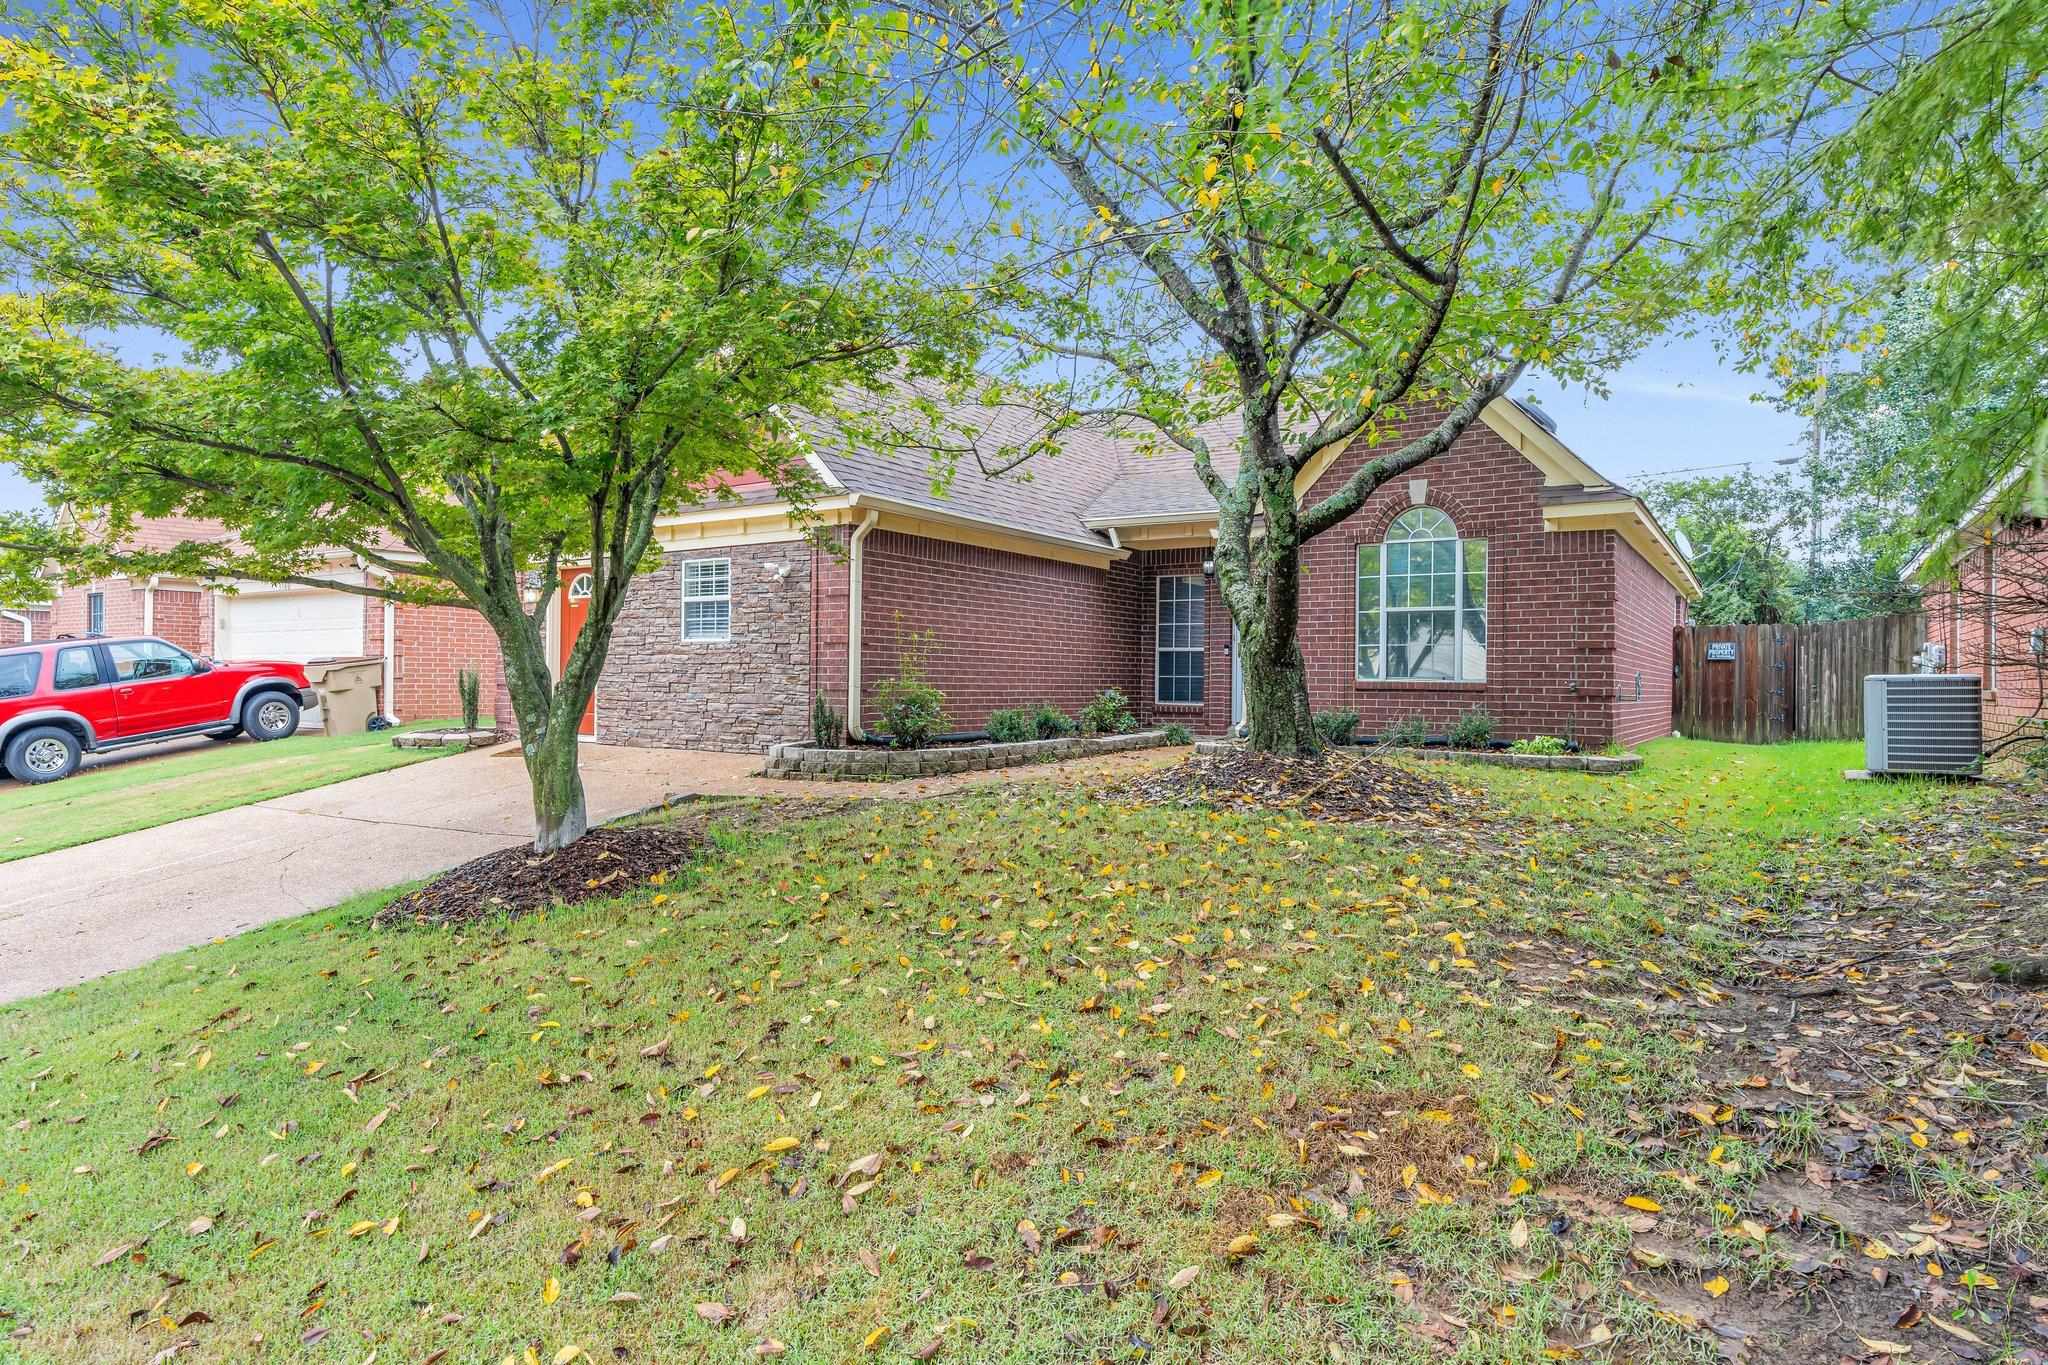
[1422, 603]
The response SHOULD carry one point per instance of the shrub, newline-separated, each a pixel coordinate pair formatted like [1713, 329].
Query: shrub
[828, 727]
[469, 687]
[1336, 727]
[1472, 729]
[1538, 744]
[1011, 727]
[1177, 733]
[912, 709]
[1411, 733]
[912, 712]
[1108, 714]
[1049, 722]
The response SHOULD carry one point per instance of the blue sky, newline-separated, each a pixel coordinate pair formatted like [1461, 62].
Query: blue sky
[1676, 407]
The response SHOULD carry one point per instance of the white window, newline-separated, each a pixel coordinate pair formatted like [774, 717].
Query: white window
[95, 613]
[707, 599]
[1422, 603]
[1178, 678]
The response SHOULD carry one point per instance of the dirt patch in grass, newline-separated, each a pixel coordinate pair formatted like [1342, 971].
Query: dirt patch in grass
[1331, 787]
[1886, 1084]
[1391, 1147]
[609, 861]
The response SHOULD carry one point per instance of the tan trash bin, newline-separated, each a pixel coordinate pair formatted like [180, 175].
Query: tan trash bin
[348, 692]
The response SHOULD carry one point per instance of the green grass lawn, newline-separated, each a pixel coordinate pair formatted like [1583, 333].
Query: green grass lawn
[1000, 1077]
[142, 793]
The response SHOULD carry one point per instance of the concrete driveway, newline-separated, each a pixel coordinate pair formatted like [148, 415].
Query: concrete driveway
[77, 913]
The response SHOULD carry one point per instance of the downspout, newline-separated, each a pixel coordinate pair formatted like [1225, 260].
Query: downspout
[853, 730]
[28, 628]
[149, 604]
[390, 643]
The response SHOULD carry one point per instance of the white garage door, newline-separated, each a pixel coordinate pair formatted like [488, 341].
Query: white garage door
[293, 626]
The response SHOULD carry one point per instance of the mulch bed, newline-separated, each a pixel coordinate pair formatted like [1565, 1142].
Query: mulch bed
[610, 860]
[604, 862]
[1331, 787]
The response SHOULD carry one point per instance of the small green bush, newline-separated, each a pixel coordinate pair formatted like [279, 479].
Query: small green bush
[912, 709]
[1411, 733]
[1336, 727]
[828, 727]
[1013, 726]
[1049, 722]
[1472, 729]
[912, 712]
[1538, 744]
[1108, 714]
[1177, 733]
[470, 688]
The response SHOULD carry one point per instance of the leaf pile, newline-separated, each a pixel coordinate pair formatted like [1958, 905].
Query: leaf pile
[1330, 787]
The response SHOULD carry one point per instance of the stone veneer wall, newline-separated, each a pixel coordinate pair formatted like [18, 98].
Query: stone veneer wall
[738, 695]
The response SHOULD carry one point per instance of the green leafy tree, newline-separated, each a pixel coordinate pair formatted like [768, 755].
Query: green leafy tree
[1737, 526]
[466, 298]
[1305, 225]
[1897, 213]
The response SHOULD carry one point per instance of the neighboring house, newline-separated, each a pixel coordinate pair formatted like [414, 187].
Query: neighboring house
[20, 625]
[423, 648]
[1985, 586]
[1504, 574]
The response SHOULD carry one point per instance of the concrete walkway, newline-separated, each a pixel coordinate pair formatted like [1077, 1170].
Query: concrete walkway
[78, 913]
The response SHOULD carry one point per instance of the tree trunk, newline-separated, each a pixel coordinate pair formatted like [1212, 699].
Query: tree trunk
[547, 736]
[1275, 677]
[559, 815]
[1277, 713]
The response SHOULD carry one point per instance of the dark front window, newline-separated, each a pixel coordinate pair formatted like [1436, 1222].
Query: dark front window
[76, 667]
[18, 674]
[1180, 664]
[95, 613]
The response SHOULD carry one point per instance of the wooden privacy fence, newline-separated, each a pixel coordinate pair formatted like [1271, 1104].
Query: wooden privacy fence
[1760, 684]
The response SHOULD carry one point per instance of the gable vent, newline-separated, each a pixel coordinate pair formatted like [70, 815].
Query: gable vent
[1922, 722]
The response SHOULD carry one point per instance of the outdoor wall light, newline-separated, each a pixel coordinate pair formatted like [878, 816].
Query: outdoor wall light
[1208, 568]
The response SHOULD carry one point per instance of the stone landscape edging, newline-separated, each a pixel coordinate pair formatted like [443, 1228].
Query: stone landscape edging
[799, 761]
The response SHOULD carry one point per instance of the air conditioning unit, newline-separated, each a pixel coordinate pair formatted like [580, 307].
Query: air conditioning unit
[1922, 722]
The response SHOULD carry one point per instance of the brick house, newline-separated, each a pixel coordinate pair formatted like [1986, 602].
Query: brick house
[19, 625]
[423, 647]
[1504, 574]
[1985, 591]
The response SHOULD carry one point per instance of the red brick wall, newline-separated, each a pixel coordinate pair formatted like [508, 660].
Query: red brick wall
[122, 614]
[434, 645]
[1557, 639]
[184, 616]
[1010, 629]
[1647, 612]
[1964, 615]
[11, 631]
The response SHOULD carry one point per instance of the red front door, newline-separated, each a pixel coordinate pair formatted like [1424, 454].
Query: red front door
[575, 611]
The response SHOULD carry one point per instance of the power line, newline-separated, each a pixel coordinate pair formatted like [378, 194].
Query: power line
[1703, 468]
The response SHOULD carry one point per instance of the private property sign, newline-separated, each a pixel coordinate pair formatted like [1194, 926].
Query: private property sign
[1720, 651]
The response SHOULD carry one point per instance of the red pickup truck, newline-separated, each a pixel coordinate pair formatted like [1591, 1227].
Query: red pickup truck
[62, 699]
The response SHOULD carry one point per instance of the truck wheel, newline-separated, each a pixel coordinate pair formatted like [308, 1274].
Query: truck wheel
[46, 753]
[270, 715]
